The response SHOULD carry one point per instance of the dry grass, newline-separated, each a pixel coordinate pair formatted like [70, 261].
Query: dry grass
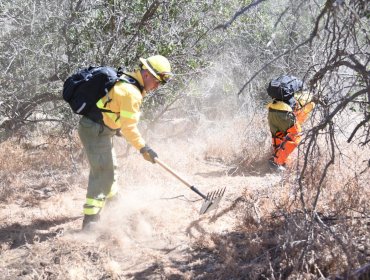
[280, 237]
[35, 169]
[261, 231]
[283, 243]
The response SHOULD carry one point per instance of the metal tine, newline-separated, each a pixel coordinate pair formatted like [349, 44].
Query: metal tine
[215, 194]
[219, 192]
[212, 199]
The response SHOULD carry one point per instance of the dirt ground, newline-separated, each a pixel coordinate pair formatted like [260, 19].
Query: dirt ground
[150, 232]
[154, 230]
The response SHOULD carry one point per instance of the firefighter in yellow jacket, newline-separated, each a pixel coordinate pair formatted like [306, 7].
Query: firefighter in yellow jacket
[120, 113]
[285, 120]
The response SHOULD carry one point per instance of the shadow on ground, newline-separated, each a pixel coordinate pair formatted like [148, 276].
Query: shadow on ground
[247, 168]
[16, 235]
[152, 272]
[240, 167]
[252, 251]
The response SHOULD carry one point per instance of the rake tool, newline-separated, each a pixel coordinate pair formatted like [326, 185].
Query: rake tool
[211, 200]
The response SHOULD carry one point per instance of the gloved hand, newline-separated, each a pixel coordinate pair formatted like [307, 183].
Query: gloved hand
[148, 153]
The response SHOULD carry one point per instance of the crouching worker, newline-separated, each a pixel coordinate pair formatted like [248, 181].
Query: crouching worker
[288, 110]
[116, 112]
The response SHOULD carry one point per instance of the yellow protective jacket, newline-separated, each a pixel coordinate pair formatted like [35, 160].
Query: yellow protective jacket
[286, 132]
[302, 110]
[124, 100]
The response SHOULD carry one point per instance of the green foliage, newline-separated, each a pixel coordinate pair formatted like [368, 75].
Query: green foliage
[42, 42]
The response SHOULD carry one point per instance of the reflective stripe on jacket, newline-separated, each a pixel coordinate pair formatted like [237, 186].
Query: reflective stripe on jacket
[124, 100]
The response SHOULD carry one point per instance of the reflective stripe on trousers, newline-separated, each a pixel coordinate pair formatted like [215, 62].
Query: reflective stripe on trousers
[97, 140]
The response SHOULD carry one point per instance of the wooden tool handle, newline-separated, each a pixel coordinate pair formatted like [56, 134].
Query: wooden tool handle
[170, 170]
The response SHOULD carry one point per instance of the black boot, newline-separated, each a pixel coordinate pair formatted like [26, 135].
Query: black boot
[89, 221]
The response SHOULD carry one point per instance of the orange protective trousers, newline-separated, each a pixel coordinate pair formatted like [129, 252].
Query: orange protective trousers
[284, 143]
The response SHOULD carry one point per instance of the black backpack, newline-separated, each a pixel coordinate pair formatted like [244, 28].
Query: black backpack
[83, 89]
[284, 87]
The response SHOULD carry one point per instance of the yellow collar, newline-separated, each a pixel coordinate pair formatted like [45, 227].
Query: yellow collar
[279, 105]
[137, 76]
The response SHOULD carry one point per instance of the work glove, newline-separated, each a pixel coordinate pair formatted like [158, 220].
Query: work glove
[148, 153]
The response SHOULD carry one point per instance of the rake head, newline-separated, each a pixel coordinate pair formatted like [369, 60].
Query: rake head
[212, 201]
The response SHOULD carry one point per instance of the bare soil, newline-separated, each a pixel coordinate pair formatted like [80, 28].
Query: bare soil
[150, 232]
[154, 231]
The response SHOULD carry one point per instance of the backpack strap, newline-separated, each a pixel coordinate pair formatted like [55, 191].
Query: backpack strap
[126, 79]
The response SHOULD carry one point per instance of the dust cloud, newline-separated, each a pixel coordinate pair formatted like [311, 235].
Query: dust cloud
[155, 213]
